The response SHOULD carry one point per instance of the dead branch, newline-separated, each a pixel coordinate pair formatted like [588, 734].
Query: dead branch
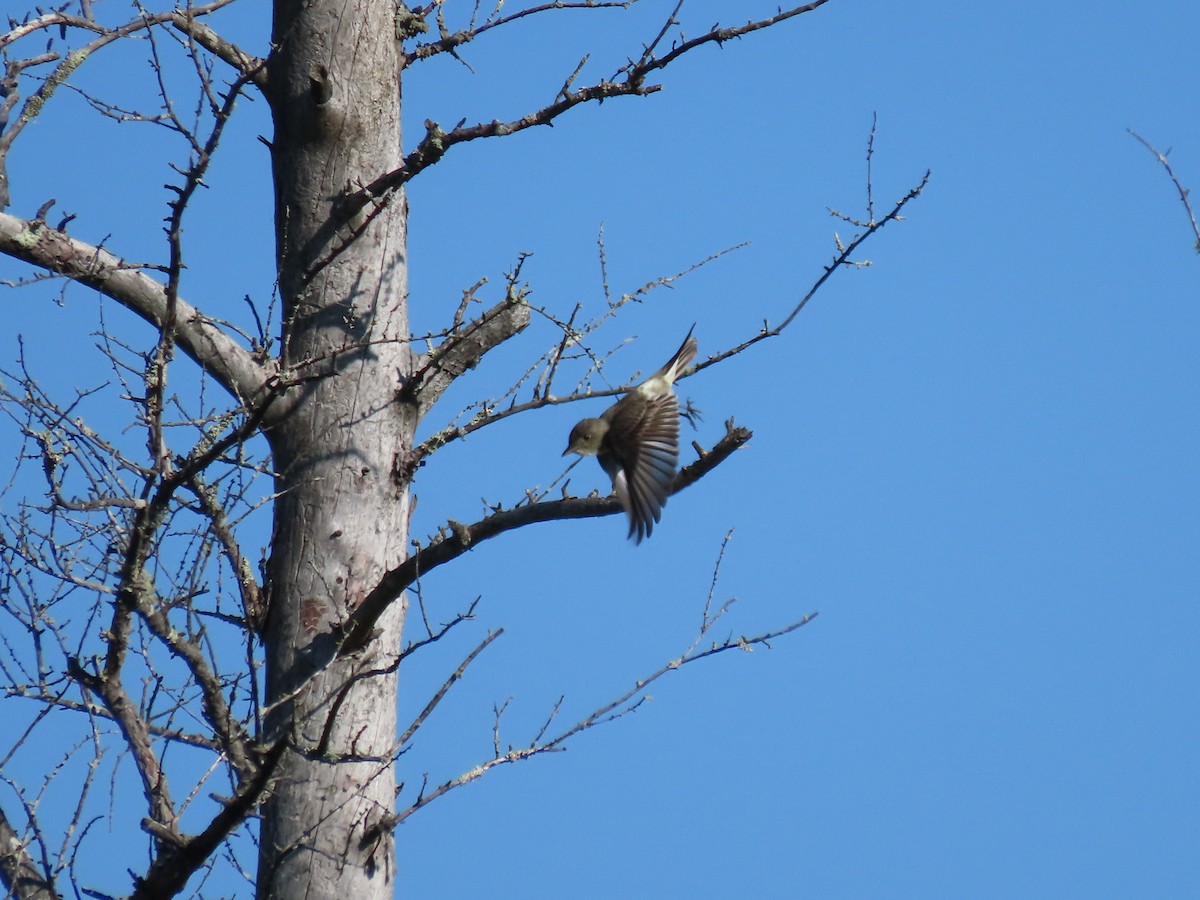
[488, 412]
[1183, 192]
[629, 80]
[435, 636]
[842, 259]
[496, 409]
[23, 877]
[460, 538]
[249, 67]
[171, 869]
[462, 350]
[441, 692]
[210, 347]
[62, 22]
[449, 41]
[627, 702]
[124, 712]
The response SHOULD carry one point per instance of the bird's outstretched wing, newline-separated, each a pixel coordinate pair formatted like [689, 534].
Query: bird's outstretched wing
[642, 446]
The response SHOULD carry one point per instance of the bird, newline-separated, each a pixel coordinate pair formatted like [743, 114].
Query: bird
[636, 441]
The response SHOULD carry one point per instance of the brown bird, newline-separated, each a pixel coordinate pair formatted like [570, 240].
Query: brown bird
[636, 441]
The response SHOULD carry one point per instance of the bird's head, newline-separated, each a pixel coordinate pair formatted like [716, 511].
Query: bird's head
[586, 437]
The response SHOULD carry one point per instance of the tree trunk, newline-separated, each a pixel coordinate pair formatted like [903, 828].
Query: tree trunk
[341, 518]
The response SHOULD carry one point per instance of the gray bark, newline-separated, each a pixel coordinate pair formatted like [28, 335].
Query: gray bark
[18, 871]
[341, 519]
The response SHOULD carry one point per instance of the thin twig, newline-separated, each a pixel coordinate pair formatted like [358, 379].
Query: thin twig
[1183, 192]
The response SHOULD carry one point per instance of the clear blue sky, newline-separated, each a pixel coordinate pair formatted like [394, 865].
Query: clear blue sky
[976, 458]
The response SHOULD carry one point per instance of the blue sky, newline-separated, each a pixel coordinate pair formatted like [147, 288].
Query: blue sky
[976, 458]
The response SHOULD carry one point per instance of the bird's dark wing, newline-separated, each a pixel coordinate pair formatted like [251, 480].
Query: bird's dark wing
[642, 450]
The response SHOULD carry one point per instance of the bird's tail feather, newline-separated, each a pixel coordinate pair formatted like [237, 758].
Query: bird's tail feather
[681, 360]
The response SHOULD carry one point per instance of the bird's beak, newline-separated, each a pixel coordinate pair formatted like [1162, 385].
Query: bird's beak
[568, 450]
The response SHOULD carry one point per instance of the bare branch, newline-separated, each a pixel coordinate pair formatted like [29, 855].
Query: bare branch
[56, 701]
[441, 692]
[253, 604]
[488, 414]
[231, 738]
[632, 82]
[124, 712]
[449, 41]
[46, 21]
[170, 871]
[252, 68]
[622, 705]
[1183, 192]
[435, 636]
[461, 538]
[463, 349]
[23, 878]
[843, 258]
[490, 411]
[213, 350]
[612, 710]
[75, 58]
[715, 35]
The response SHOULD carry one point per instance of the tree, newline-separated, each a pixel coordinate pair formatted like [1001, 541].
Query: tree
[317, 423]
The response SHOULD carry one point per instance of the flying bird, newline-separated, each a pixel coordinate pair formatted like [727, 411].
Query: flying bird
[636, 441]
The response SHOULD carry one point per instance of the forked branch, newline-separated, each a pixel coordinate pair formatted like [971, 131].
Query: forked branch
[629, 80]
[18, 871]
[209, 346]
[622, 705]
[250, 67]
[844, 257]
